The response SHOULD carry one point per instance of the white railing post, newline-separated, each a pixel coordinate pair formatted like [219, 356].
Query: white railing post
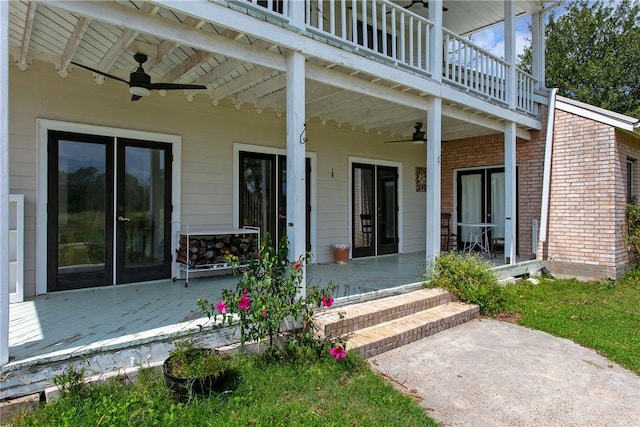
[435, 40]
[510, 52]
[296, 12]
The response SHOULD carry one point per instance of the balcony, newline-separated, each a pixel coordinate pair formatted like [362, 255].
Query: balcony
[388, 33]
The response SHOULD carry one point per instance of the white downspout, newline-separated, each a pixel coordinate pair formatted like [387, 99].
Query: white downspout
[546, 177]
[4, 184]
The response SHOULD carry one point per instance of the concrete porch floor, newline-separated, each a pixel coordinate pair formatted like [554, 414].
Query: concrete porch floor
[62, 325]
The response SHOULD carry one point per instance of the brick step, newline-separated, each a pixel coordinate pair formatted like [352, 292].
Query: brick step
[343, 320]
[386, 336]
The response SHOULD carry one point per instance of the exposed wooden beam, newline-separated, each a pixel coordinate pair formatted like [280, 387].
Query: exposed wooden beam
[121, 15]
[265, 88]
[241, 83]
[167, 47]
[275, 100]
[72, 45]
[26, 35]
[337, 105]
[192, 62]
[127, 37]
[220, 71]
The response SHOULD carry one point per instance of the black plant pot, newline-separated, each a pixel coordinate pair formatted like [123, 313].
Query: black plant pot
[184, 388]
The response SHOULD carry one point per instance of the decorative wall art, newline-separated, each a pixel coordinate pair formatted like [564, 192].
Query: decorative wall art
[421, 180]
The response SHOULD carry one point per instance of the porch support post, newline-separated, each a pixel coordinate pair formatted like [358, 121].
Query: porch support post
[510, 51]
[434, 133]
[296, 138]
[510, 193]
[4, 183]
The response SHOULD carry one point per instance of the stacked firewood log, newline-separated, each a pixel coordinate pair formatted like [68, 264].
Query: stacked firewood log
[213, 250]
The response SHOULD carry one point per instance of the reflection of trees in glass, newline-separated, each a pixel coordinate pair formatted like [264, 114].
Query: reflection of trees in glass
[84, 188]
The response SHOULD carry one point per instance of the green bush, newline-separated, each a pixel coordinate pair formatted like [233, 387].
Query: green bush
[632, 237]
[470, 279]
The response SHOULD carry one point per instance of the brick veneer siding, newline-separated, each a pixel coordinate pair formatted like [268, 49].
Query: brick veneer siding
[628, 149]
[585, 235]
[488, 151]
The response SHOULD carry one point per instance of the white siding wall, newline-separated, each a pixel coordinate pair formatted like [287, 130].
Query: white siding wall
[208, 134]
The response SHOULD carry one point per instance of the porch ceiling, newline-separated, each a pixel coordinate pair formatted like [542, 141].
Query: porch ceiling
[48, 31]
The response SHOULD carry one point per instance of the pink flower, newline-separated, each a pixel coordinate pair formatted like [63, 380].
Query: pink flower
[222, 307]
[244, 301]
[265, 313]
[297, 265]
[337, 352]
[327, 301]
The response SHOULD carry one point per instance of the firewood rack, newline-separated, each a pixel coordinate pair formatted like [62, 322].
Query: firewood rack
[202, 249]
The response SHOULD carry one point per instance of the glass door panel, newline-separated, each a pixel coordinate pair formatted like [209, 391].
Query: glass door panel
[496, 212]
[470, 203]
[143, 213]
[80, 197]
[363, 210]
[257, 192]
[387, 236]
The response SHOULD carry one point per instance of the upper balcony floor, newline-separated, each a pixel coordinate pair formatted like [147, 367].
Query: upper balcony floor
[369, 63]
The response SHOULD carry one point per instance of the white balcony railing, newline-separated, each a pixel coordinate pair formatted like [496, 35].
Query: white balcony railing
[376, 27]
[382, 29]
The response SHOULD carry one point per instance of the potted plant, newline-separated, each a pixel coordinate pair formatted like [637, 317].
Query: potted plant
[191, 369]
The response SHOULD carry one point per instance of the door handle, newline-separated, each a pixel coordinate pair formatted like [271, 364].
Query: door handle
[123, 219]
[282, 216]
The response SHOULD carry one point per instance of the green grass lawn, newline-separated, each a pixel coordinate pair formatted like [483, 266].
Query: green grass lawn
[322, 392]
[604, 315]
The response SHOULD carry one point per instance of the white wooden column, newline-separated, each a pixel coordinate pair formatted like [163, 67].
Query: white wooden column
[4, 183]
[296, 138]
[510, 193]
[510, 50]
[296, 13]
[434, 133]
[435, 40]
[538, 49]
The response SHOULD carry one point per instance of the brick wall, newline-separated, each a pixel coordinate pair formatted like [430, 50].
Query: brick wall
[587, 198]
[628, 149]
[488, 151]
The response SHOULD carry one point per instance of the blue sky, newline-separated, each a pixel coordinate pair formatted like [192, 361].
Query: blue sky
[492, 39]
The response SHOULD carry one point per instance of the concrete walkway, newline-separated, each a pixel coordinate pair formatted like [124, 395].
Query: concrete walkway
[492, 373]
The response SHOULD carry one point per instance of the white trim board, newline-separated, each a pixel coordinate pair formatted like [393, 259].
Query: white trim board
[42, 128]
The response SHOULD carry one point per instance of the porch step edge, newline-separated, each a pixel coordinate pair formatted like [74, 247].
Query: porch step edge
[342, 320]
[386, 336]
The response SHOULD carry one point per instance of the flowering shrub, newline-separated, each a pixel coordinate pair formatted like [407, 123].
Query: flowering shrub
[267, 299]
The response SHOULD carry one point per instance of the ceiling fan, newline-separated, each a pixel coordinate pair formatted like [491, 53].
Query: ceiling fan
[416, 138]
[140, 82]
[423, 3]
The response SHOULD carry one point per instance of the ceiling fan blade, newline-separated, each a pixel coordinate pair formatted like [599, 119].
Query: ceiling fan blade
[175, 86]
[135, 97]
[100, 72]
